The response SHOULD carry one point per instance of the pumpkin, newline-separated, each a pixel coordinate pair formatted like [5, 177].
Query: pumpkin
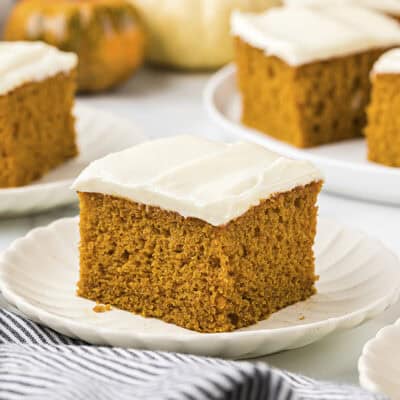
[192, 33]
[105, 34]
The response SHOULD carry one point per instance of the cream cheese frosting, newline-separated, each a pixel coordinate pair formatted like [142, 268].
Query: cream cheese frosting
[388, 63]
[24, 62]
[301, 35]
[386, 6]
[213, 181]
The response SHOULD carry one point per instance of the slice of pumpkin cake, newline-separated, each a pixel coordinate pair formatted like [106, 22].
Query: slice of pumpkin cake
[206, 235]
[383, 129]
[303, 72]
[37, 130]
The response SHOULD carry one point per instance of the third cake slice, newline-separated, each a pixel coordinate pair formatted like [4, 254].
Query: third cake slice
[383, 129]
[208, 236]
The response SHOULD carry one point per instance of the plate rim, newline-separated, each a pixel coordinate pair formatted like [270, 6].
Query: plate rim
[227, 72]
[38, 314]
[365, 379]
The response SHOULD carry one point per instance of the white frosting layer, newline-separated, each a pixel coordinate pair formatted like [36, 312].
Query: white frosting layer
[215, 182]
[300, 35]
[388, 63]
[24, 62]
[386, 6]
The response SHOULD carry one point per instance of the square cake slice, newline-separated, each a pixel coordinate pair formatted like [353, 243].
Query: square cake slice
[383, 129]
[303, 72]
[206, 235]
[37, 133]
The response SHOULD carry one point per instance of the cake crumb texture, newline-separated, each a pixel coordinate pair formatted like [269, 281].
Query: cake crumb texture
[37, 131]
[383, 129]
[308, 105]
[188, 272]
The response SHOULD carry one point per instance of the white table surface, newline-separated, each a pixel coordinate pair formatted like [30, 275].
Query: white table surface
[167, 103]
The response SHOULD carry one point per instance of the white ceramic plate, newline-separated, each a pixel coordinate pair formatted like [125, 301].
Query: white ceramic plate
[344, 164]
[359, 279]
[379, 364]
[97, 134]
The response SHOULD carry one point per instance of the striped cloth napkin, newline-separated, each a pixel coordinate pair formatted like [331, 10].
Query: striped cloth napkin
[37, 363]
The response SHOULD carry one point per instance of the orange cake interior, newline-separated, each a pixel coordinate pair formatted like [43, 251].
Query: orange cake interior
[383, 129]
[310, 105]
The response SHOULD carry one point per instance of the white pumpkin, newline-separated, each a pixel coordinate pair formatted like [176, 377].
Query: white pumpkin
[192, 33]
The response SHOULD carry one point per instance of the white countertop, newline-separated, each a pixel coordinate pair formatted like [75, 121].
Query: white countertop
[167, 103]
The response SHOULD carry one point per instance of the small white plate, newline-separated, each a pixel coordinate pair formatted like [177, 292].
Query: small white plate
[344, 164]
[359, 278]
[379, 364]
[98, 134]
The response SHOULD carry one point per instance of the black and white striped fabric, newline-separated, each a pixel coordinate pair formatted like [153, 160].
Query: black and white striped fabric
[37, 363]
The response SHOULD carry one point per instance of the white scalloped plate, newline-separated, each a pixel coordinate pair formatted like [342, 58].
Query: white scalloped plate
[98, 134]
[360, 278]
[344, 164]
[379, 364]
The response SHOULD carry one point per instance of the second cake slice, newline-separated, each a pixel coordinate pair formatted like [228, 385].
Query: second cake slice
[303, 73]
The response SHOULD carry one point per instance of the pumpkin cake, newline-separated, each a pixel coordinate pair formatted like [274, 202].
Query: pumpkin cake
[37, 133]
[312, 94]
[105, 34]
[383, 128]
[208, 236]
